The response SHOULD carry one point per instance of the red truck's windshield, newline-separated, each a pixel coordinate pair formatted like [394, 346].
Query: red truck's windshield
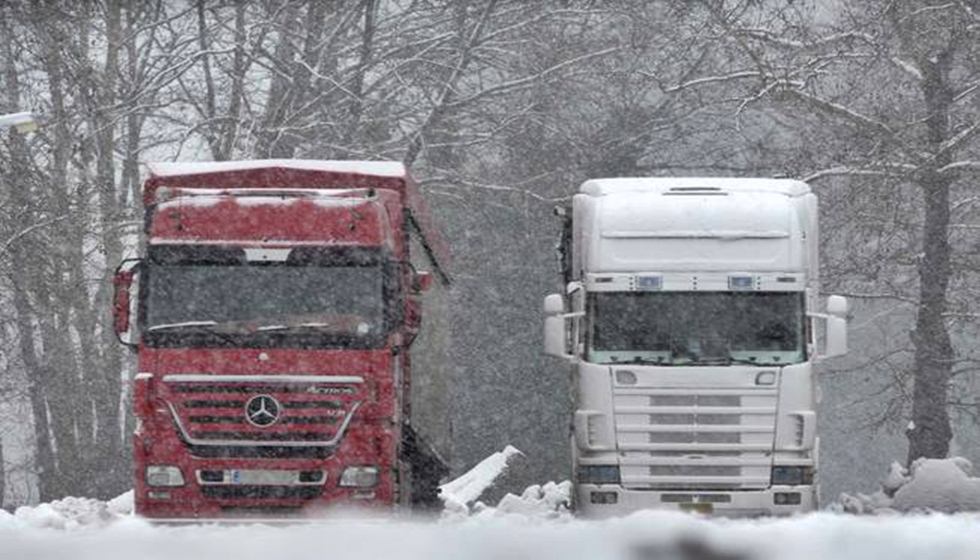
[221, 299]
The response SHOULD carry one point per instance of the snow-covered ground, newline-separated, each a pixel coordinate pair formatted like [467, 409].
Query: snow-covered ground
[643, 536]
[535, 525]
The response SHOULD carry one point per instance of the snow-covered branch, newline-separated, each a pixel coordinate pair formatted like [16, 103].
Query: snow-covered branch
[880, 170]
[908, 67]
[960, 166]
[959, 139]
[773, 39]
[532, 79]
[841, 111]
[707, 80]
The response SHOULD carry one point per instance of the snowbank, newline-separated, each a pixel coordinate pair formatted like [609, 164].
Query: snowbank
[931, 485]
[458, 494]
[67, 513]
[550, 501]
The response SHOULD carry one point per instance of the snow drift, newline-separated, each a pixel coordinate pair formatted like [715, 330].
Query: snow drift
[930, 485]
[460, 496]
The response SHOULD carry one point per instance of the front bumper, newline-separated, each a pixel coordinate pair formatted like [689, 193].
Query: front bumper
[260, 499]
[747, 503]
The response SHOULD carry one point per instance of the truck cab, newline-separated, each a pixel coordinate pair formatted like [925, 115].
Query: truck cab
[272, 313]
[690, 321]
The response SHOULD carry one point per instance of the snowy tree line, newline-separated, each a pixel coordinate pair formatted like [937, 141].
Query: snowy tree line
[501, 107]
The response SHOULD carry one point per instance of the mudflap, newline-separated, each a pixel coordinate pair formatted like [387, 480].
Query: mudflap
[426, 470]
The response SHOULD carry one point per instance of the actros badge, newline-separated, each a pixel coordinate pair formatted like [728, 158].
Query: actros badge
[262, 410]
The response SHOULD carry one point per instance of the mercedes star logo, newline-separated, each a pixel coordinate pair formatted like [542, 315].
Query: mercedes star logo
[262, 410]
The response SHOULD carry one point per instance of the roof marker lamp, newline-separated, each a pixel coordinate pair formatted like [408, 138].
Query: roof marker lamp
[649, 283]
[741, 283]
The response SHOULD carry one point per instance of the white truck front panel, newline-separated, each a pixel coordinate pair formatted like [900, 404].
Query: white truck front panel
[684, 435]
[696, 427]
[695, 434]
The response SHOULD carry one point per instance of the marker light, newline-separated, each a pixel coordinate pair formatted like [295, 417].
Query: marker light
[649, 283]
[740, 282]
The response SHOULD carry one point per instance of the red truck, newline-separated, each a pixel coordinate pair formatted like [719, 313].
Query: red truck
[272, 314]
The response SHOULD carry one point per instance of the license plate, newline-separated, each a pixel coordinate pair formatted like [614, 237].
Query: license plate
[262, 477]
[700, 507]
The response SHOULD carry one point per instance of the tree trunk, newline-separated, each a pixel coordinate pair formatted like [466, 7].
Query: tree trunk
[930, 432]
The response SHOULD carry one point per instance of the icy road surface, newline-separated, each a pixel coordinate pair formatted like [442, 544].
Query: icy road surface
[646, 536]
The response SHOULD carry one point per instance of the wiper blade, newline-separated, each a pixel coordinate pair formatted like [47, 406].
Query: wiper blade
[167, 326]
[209, 327]
[732, 360]
[646, 361]
[748, 362]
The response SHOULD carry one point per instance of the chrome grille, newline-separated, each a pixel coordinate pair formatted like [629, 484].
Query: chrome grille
[209, 413]
[689, 438]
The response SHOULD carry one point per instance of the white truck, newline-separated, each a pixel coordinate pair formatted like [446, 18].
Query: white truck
[689, 320]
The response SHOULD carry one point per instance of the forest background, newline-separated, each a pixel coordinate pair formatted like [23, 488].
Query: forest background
[501, 107]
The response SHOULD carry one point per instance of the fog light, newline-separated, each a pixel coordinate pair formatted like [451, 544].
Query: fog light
[164, 475]
[625, 377]
[787, 498]
[598, 474]
[359, 477]
[604, 498]
[212, 476]
[311, 476]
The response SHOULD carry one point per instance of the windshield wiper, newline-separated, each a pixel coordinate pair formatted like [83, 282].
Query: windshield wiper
[640, 361]
[209, 327]
[730, 360]
[168, 326]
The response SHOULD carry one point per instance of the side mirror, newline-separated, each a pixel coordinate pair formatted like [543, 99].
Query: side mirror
[554, 305]
[422, 282]
[837, 306]
[413, 319]
[555, 327]
[122, 301]
[836, 341]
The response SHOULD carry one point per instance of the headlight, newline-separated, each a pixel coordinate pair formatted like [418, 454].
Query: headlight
[359, 477]
[792, 476]
[598, 474]
[164, 475]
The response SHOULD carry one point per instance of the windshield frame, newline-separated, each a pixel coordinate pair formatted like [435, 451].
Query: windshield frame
[802, 351]
[298, 338]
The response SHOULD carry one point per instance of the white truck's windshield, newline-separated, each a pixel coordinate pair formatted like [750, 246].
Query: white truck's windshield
[696, 328]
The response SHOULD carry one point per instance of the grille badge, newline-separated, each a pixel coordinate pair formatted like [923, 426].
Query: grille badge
[262, 410]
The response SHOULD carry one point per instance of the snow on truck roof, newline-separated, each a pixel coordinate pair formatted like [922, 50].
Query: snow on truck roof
[307, 175]
[180, 168]
[619, 185]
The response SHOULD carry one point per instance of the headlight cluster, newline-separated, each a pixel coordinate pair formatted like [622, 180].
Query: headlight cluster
[359, 477]
[792, 476]
[598, 474]
[164, 475]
